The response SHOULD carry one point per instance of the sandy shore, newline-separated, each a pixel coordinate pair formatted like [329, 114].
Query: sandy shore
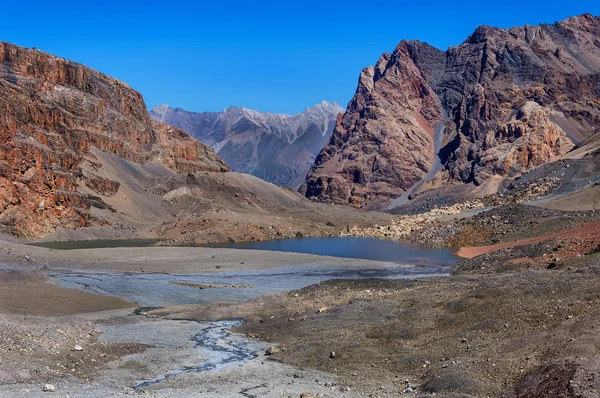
[32, 293]
[173, 260]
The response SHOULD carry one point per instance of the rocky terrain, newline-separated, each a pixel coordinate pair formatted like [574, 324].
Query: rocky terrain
[514, 99]
[54, 114]
[499, 335]
[384, 142]
[274, 147]
[82, 159]
[495, 143]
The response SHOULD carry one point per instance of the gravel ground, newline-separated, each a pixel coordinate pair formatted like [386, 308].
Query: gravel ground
[501, 224]
[526, 334]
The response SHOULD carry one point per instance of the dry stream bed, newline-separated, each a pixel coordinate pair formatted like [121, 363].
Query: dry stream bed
[183, 357]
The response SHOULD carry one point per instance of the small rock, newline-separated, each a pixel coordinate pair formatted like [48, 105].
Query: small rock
[298, 376]
[78, 348]
[322, 309]
[48, 388]
[409, 389]
[271, 350]
[332, 354]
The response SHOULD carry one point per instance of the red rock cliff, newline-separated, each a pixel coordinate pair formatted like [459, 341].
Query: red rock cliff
[52, 111]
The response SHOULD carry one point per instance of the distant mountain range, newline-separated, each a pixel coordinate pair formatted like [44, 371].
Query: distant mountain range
[274, 147]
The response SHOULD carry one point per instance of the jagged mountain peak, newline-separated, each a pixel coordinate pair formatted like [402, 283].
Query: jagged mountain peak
[480, 97]
[160, 110]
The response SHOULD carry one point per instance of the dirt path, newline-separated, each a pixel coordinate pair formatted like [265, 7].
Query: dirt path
[581, 232]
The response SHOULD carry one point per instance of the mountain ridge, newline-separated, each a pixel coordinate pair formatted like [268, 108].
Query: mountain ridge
[516, 98]
[278, 148]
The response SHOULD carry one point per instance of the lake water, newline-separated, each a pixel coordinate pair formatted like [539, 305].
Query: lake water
[350, 247]
[354, 247]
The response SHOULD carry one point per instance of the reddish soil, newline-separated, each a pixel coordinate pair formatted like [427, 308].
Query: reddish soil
[586, 234]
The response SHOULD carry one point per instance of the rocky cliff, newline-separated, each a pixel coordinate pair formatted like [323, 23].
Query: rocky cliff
[53, 112]
[274, 147]
[505, 101]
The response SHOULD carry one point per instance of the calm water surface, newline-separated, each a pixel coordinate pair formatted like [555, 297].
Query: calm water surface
[354, 247]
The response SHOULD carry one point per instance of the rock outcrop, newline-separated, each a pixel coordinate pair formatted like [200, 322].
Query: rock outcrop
[53, 112]
[274, 147]
[384, 143]
[510, 100]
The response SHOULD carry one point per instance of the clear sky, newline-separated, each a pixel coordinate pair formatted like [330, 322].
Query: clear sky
[275, 56]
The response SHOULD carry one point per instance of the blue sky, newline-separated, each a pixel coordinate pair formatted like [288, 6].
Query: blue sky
[276, 56]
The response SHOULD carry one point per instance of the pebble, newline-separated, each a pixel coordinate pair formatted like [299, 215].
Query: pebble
[48, 388]
[332, 354]
[271, 350]
[78, 348]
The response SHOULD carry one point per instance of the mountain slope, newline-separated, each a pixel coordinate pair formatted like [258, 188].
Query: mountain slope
[274, 147]
[505, 102]
[80, 158]
[53, 113]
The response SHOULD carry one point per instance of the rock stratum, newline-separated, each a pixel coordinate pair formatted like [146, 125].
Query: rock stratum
[499, 105]
[54, 114]
[274, 147]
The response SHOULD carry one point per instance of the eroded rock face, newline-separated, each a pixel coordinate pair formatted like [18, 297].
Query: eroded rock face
[514, 99]
[274, 147]
[525, 96]
[384, 142]
[52, 112]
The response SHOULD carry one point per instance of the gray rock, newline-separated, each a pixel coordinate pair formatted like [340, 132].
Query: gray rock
[48, 388]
